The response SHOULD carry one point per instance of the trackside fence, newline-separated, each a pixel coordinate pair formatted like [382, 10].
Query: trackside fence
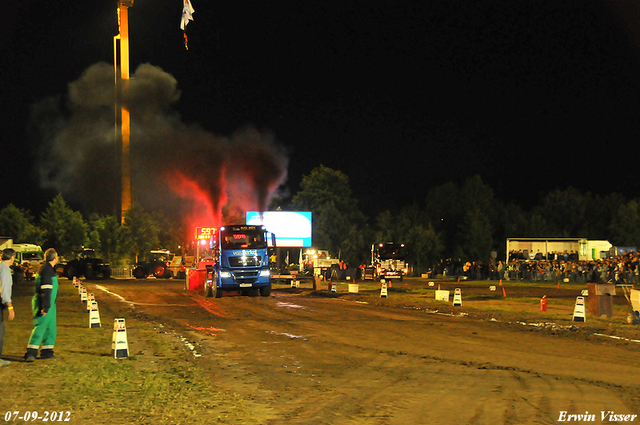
[125, 272]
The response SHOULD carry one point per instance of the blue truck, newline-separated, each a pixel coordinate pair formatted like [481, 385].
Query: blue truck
[241, 263]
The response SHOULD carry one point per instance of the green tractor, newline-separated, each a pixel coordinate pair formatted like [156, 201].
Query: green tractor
[86, 264]
[157, 265]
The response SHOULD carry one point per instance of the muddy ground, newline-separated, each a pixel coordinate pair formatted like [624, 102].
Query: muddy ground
[314, 357]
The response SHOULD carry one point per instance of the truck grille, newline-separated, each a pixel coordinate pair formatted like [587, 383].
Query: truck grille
[246, 277]
[392, 264]
[246, 261]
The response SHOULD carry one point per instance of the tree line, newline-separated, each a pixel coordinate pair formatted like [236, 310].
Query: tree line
[463, 221]
[66, 230]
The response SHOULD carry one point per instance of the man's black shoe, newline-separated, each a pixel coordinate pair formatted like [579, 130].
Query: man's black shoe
[49, 357]
[29, 358]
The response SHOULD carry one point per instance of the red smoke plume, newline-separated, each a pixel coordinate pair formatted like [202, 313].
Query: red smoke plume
[204, 211]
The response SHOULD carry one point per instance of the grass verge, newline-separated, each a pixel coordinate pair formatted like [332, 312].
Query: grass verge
[160, 382]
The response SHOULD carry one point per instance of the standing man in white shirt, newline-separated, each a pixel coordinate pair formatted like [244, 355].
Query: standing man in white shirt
[6, 285]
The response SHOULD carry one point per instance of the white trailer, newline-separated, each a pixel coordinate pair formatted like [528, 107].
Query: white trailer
[585, 249]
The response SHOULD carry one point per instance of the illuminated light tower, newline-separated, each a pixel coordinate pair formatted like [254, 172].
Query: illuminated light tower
[125, 119]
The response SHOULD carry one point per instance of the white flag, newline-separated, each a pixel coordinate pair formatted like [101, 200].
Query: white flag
[187, 13]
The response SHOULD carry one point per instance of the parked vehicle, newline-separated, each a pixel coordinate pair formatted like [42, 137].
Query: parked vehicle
[158, 264]
[388, 261]
[86, 264]
[28, 259]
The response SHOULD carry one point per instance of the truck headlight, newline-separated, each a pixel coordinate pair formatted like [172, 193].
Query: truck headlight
[265, 273]
[225, 274]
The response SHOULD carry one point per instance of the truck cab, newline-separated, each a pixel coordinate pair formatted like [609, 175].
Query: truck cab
[29, 257]
[241, 261]
[389, 260]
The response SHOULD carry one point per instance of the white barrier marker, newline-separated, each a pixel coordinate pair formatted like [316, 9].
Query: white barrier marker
[90, 299]
[578, 311]
[383, 288]
[457, 298]
[94, 316]
[119, 343]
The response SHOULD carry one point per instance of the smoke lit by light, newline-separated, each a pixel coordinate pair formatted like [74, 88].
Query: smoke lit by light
[183, 170]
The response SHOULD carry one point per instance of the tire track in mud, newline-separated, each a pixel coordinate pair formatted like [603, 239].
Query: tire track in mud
[523, 396]
[351, 363]
[407, 393]
[525, 379]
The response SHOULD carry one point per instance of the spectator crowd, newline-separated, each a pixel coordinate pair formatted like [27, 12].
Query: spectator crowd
[551, 267]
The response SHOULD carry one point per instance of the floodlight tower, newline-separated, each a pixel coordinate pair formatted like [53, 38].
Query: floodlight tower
[125, 119]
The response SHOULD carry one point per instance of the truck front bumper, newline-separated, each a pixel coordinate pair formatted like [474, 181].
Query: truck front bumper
[244, 279]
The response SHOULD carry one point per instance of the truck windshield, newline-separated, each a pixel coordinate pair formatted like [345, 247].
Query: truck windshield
[391, 251]
[33, 256]
[246, 239]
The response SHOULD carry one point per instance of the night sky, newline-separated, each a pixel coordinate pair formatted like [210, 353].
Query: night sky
[399, 95]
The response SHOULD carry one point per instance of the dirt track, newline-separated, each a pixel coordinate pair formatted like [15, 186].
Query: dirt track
[364, 360]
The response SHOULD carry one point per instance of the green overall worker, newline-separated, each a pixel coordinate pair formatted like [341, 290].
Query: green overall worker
[44, 310]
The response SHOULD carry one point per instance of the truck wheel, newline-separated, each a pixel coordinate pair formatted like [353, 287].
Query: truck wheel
[159, 270]
[217, 292]
[89, 272]
[208, 290]
[265, 291]
[139, 273]
[107, 273]
[70, 272]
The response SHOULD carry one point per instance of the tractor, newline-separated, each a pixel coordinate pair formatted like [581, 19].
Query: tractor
[86, 264]
[157, 265]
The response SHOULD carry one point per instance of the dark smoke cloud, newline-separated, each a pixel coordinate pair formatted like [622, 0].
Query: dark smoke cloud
[80, 156]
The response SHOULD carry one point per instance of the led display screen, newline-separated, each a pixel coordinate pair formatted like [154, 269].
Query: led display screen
[205, 232]
[292, 228]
